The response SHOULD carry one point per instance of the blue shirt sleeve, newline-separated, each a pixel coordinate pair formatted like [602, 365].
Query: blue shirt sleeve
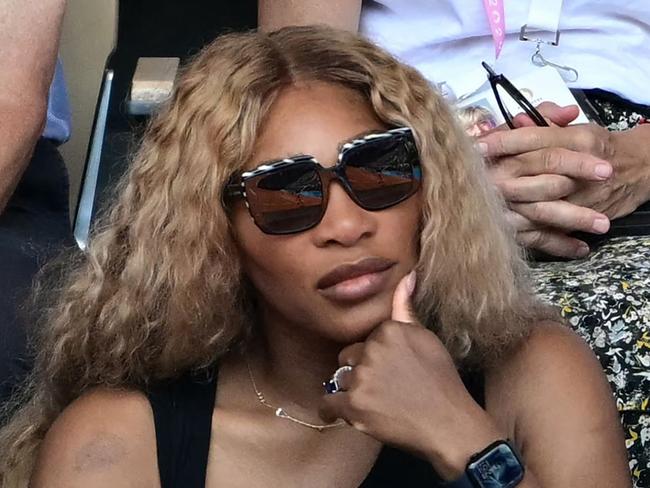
[58, 126]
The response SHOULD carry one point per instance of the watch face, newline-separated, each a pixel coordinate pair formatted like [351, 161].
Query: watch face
[498, 468]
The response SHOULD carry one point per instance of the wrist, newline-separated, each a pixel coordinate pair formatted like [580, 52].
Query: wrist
[497, 465]
[632, 148]
[644, 130]
[451, 459]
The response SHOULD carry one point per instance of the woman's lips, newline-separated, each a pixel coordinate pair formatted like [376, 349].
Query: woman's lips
[356, 281]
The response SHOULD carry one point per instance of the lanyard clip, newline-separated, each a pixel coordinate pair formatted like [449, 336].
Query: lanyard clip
[568, 73]
[523, 36]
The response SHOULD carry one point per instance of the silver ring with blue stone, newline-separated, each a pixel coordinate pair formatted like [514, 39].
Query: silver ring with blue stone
[333, 385]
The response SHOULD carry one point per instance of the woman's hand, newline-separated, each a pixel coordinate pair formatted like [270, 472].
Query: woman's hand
[577, 151]
[404, 390]
[537, 186]
[563, 179]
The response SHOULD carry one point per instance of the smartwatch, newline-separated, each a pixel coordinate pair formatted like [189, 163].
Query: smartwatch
[496, 466]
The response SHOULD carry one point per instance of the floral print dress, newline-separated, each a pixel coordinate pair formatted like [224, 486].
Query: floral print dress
[606, 299]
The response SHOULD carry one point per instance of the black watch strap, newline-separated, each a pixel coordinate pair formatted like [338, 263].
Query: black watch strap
[463, 482]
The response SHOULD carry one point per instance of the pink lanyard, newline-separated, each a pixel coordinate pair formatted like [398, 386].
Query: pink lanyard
[497, 18]
[543, 15]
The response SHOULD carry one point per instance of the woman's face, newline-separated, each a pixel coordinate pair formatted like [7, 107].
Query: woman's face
[310, 279]
[480, 128]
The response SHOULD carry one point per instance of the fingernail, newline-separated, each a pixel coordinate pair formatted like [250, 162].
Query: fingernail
[410, 283]
[582, 251]
[482, 148]
[600, 226]
[603, 170]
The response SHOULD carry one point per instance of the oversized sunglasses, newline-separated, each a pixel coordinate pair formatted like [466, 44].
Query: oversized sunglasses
[287, 196]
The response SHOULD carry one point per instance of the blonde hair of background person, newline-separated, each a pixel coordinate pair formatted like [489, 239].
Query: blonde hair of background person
[476, 120]
[161, 290]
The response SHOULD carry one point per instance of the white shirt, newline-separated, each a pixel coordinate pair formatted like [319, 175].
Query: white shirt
[607, 41]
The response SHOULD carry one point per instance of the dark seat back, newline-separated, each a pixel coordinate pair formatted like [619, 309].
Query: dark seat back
[146, 28]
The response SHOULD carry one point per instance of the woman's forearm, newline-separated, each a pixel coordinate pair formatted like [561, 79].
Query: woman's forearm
[343, 14]
[29, 41]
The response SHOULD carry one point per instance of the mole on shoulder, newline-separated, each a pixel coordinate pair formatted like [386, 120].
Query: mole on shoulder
[102, 452]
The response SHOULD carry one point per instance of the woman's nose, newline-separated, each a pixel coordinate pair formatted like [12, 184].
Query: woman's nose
[345, 223]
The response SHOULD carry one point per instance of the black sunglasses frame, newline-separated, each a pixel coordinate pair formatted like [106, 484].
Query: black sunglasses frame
[500, 80]
[236, 188]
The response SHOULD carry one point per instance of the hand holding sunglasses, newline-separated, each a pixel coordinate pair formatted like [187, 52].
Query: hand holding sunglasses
[502, 87]
[290, 195]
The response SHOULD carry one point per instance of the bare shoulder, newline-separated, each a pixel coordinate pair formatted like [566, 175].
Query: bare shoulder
[104, 438]
[553, 364]
[552, 354]
[548, 338]
[551, 395]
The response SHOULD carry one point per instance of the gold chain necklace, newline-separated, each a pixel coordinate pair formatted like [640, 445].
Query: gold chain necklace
[281, 412]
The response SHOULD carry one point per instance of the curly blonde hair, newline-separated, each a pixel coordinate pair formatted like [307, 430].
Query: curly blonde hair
[160, 289]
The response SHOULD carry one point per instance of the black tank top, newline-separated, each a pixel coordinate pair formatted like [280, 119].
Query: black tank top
[182, 411]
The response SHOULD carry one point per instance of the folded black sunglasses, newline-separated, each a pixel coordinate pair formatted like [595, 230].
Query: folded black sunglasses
[290, 195]
[503, 89]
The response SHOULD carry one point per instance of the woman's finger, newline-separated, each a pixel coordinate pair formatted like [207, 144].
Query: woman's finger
[585, 138]
[541, 188]
[563, 215]
[560, 161]
[334, 407]
[519, 222]
[351, 355]
[558, 114]
[402, 307]
[524, 120]
[552, 113]
[553, 243]
[556, 161]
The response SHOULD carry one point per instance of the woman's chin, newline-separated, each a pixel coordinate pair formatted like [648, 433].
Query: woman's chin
[355, 327]
[352, 336]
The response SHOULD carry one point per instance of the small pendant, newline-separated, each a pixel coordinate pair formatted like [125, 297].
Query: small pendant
[281, 413]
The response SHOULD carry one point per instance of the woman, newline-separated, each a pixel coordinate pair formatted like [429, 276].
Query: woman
[477, 120]
[235, 276]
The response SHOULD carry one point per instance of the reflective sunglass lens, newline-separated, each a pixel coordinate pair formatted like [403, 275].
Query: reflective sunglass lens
[384, 172]
[286, 201]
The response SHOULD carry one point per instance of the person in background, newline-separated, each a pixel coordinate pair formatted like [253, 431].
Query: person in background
[34, 120]
[476, 120]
